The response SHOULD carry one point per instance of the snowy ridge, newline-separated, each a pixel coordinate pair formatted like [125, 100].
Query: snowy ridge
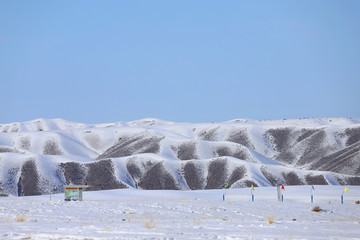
[157, 154]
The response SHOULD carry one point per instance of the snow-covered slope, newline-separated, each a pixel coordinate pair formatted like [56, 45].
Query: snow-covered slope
[44, 154]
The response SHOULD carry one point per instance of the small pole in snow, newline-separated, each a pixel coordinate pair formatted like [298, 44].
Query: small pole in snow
[342, 195]
[50, 186]
[278, 192]
[282, 196]
[252, 193]
[226, 186]
[311, 193]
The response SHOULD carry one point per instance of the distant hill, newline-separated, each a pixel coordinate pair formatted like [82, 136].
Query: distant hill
[45, 154]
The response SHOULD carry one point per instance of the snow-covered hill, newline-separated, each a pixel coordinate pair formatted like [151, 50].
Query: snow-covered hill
[44, 154]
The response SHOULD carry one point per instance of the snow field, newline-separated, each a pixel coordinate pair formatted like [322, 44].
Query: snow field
[138, 214]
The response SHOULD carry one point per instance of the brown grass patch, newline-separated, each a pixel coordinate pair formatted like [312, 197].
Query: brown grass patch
[128, 218]
[149, 223]
[270, 219]
[20, 219]
[316, 209]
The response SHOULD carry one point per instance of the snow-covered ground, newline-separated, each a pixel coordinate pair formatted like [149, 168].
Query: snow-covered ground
[140, 214]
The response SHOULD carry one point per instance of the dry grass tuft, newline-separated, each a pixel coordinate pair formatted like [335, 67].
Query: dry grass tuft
[270, 219]
[128, 218]
[20, 219]
[196, 221]
[149, 223]
[357, 202]
[316, 209]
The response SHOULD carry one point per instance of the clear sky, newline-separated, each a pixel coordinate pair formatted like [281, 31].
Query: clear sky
[191, 61]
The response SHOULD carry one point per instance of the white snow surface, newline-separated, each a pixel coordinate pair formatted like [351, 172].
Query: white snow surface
[79, 142]
[202, 214]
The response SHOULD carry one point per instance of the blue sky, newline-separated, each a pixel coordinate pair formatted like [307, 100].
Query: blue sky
[192, 61]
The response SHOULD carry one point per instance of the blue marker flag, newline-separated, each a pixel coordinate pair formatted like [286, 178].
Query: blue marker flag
[312, 187]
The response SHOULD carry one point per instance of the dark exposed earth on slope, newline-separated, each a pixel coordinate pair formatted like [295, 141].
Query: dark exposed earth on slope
[40, 156]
